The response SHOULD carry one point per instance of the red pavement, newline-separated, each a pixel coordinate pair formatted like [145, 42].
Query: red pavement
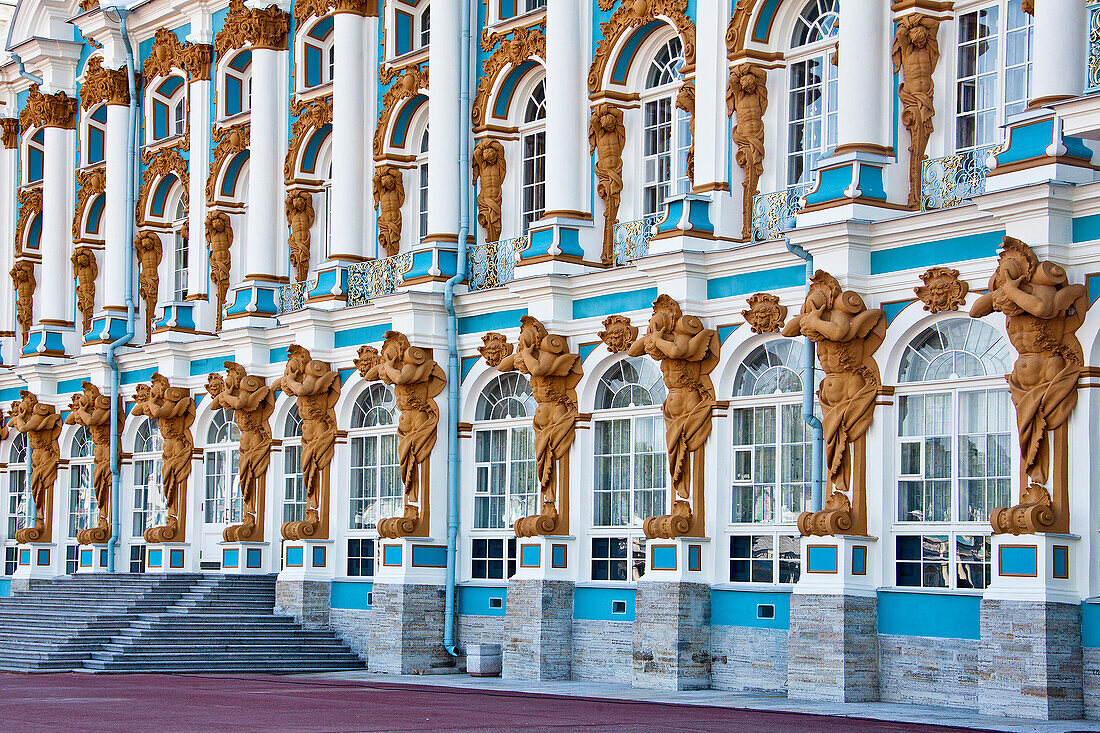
[166, 704]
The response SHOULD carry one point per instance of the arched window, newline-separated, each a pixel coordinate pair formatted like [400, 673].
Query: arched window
[771, 464]
[666, 132]
[148, 507]
[630, 480]
[954, 454]
[168, 113]
[95, 135]
[34, 157]
[83, 510]
[318, 57]
[223, 502]
[422, 186]
[181, 258]
[294, 488]
[236, 96]
[812, 89]
[375, 471]
[19, 501]
[506, 487]
[992, 71]
[533, 137]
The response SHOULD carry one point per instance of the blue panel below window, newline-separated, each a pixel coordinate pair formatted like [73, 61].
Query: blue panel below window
[597, 604]
[1090, 625]
[939, 615]
[530, 556]
[740, 608]
[154, 559]
[295, 557]
[429, 556]
[391, 555]
[230, 558]
[478, 600]
[664, 557]
[350, 594]
[5, 587]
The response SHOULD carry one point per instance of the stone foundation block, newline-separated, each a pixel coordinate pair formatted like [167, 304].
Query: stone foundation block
[538, 636]
[832, 648]
[406, 632]
[672, 636]
[308, 601]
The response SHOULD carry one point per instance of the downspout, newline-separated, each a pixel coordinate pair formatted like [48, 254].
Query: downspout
[452, 329]
[112, 348]
[817, 493]
[33, 78]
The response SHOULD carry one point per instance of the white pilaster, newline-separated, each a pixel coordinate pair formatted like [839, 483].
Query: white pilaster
[8, 184]
[265, 216]
[567, 192]
[55, 289]
[1061, 43]
[115, 212]
[198, 277]
[444, 124]
[863, 78]
[711, 139]
[349, 159]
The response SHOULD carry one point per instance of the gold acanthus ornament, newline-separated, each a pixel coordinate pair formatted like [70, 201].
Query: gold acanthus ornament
[489, 169]
[159, 164]
[942, 290]
[22, 278]
[173, 409]
[265, 28]
[30, 206]
[494, 348]
[1043, 311]
[85, 271]
[9, 130]
[311, 115]
[90, 183]
[48, 110]
[633, 14]
[747, 99]
[522, 45]
[316, 387]
[554, 372]
[765, 313]
[915, 54]
[92, 409]
[417, 379]
[219, 243]
[389, 197]
[846, 333]
[687, 353]
[607, 138]
[42, 426]
[170, 53]
[410, 81]
[228, 143]
[299, 218]
[618, 333]
[306, 9]
[103, 85]
[149, 251]
[251, 401]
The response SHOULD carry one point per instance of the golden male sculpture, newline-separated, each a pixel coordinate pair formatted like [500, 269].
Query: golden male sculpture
[92, 409]
[300, 217]
[85, 271]
[389, 197]
[174, 410]
[417, 379]
[42, 426]
[1042, 314]
[554, 373]
[747, 97]
[688, 354]
[607, 138]
[219, 240]
[22, 277]
[916, 53]
[489, 168]
[252, 403]
[847, 334]
[317, 388]
[147, 246]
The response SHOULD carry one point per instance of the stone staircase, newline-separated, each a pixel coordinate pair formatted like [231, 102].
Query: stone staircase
[172, 623]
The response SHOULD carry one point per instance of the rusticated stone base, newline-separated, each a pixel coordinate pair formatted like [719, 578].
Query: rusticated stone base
[1031, 660]
[353, 626]
[308, 601]
[922, 670]
[832, 648]
[745, 659]
[538, 630]
[406, 633]
[672, 636]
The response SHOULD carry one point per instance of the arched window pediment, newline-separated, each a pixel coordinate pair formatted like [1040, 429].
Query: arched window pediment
[634, 381]
[956, 348]
[774, 367]
[507, 396]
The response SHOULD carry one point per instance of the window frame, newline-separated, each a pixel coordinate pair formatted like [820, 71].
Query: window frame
[378, 433]
[532, 176]
[82, 509]
[228, 452]
[175, 104]
[148, 457]
[678, 124]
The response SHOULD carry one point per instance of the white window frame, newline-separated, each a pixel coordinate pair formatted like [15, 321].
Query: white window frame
[775, 535]
[532, 148]
[953, 560]
[147, 506]
[83, 509]
[662, 99]
[20, 506]
[222, 501]
[181, 254]
[386, 505]
[422, 183]
[294, 489]
[822, 51]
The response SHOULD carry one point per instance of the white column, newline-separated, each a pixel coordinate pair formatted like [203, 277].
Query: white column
[1061, 50]
[566, 108]
[266, 220]
[54, 293]
[711, 137]
[444, 125]
[115, 213]
[863, 74]
[198, 274]
[9, 183]
[349, 145]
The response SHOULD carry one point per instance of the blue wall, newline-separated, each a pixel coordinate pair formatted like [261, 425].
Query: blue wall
[940, 615]
[351, 594]
[740, 608]
[473, 600]
[594, 604]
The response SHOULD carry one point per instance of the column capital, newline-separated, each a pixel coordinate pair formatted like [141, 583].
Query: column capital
[48, 110]
[266, 28]
[103, 85]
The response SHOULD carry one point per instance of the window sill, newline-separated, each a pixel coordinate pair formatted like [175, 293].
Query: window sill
[755, 587]
[308, 94]
[528, 18]
[609, 584]
[934, 591]
[231, 120]
[354, 578]
[417, 56]
[482, 583]
[166, 142]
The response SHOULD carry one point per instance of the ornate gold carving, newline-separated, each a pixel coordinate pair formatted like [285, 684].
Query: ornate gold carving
[916, 53]
[747, 97]
[252, 402]
[490, 168]
[85, 270]
[219, 241]
[847, 334]
[228, 142]
[299, 217]
[738, 25]
[92, 409]
[174, 410]
[554, 373]
[1043, 311]
[22, 278]
[411, 80]
[631, 15]
[48, 110]
[262, 28]
[942, 290]
[495, 347]
[168, 53]
[524, 44]
[765, 314]
[317, 389]
[42, 426]
[607, 138]
[86, 5]
[688, 354]
[1028, 6]
[30, 205]
[417, 379]
[618, 333]
[685, 100]
[90, 183]
[160, 163]
[305, 9]
[311, 115]
[9, 128]
[103, 85]
[147, 247]
[389, 197]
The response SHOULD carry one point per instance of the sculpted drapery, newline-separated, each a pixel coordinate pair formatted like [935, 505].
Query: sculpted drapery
[92, 409]
[607, 138]
[42, 426]
[847, 333]
[389, 197]
[219, 240]
[915, 54]
[149, 251]
[174, 410]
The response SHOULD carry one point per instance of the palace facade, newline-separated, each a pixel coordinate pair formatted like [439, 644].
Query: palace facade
[676, 343]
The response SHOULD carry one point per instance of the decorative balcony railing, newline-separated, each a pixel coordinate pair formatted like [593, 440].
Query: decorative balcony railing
[373, 278]
[1093, 80]
[631, 239]
[954, 180]
[492, 264]
[774, 213]
[292, 297]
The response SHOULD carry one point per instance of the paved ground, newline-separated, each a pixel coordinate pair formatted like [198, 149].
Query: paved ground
[189, 704]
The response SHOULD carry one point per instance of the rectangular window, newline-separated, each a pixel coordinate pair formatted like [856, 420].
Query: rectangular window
[361, 558]
[72, 559]
[18, 500]
[146, 493]
[83, 511]
[11, 560]
[771, 459]
[507, 487]
[222, 504]
[657, 154]
[618, 558]
[530, 5]
[812, 119]
[375, 480]
[534, 177]
[753, 558]
[294, 488]
[493, 558]
[422, 200]
[180, 266]
[631, 471]
[137, 558]
[926, 561]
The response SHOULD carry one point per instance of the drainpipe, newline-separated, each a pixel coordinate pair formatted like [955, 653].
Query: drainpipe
[32, 78]
[112, 348]
[452, 329]
[817, 492]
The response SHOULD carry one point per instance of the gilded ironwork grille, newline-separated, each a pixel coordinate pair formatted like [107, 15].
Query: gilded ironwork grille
[631, 239]
[372, 278]
[292, 297]
[954, 180]
[1094, 48]
[493, 264]
[774, 213]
